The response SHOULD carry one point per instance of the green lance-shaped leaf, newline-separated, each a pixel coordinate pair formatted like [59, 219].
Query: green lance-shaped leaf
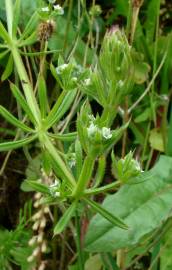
[42, 93]
[9, 68]
[29, 40]
[58, 162]
[100, 170]
[54, 73]
[85, 176]
[33, 54]
[3, 54]
[14, 121]
[39, 187]
[4, 34]
[6, 146]
[67, 137]
[144, 207]
[27, 87]
[16, 16]
[21, 100]
[60, 108]
[62, 223]
[79, 158]
[30, 27]
[106, 214]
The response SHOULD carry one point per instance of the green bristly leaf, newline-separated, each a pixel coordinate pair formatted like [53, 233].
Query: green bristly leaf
[16, 17]
[9, 68]
[106, 214]
[6, 146]
[68, 137]
[60, 108]
[63, 222]
[39, 187]
[4, 34]
[21, 100]
[42, 94]
[14, 121]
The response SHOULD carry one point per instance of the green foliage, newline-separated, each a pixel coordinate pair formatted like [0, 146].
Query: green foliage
[143, 207]
[14, 248]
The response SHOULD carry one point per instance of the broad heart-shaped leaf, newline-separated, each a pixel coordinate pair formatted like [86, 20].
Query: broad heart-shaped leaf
[143, 207]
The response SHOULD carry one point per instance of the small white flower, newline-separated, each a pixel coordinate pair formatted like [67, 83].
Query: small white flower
[45, 9]
[92, 129]
[91, 117]
[74, 79]
[137, 166]
[120, 84]
[59, 9]
[61, 68]
[55, 184]
[54, 189]
[30, 258]
[72, 160]
[87, 82]
[106, 133]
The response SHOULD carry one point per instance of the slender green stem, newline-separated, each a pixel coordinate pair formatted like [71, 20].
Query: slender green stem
[26, 84]
[85, 176]
[78, 242]
[68, 25]
[46, 143]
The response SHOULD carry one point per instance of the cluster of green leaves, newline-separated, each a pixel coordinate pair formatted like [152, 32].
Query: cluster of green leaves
[14, 248]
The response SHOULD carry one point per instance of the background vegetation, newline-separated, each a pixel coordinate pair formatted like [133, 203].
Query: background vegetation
[86, 174]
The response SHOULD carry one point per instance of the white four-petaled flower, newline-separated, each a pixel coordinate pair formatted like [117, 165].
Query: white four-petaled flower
[106, 133]
[59, 9]
[45, 9]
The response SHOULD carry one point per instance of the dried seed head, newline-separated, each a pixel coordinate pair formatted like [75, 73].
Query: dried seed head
[30, 258]
[37, 196]
[45, 30]
[36, 225]
[32, 241]
[36, 252]
[44, 247]
[43, 223]
[40, 238]
[42, 266]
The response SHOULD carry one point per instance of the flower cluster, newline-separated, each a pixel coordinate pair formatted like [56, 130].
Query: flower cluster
[57, 8]
[126, 168]
[93, 130]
